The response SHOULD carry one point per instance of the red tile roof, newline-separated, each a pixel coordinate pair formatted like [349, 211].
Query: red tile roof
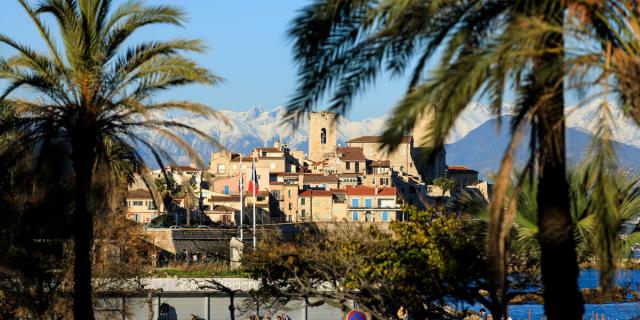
[139, 194]
[381, 164]
[315, 193]
[460, 168]
[376, 139]
[360, 191]
[391, 191]
[370, 191]
[183, 168]
[350, 154]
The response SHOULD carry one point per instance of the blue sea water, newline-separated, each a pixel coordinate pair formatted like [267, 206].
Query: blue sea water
[589, 279]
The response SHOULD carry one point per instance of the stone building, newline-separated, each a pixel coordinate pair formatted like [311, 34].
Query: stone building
[322, 136]
[400, 160]
[464, 176]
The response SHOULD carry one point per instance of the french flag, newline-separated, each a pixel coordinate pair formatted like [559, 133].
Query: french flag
[253, 184]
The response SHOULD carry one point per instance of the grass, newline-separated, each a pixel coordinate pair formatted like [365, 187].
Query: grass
[197, 270]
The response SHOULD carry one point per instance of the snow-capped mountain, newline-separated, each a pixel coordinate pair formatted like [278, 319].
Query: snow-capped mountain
[260, 127]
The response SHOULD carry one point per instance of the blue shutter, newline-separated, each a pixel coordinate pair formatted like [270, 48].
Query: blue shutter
[367, 203]
[385, 216]
[355, 216]
[226, 189]
[354, 202]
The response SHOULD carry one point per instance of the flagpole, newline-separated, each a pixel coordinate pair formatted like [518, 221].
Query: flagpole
[255, 182]
[241, 202]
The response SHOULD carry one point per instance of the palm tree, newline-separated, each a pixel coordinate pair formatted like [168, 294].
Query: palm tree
[483, 50]
[90, 90]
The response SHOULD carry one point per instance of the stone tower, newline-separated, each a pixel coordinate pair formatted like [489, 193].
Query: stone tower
[435, 168]
[322, 135]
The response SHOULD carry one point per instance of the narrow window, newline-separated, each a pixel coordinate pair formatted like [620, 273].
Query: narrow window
[323, 136]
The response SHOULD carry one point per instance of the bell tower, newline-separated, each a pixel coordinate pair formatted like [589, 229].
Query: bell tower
[322, 135]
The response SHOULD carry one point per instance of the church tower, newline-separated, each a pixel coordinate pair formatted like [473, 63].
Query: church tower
[322, 135]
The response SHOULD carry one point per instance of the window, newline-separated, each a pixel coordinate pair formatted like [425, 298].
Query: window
[290, 206]
[235, 167]
[373, 180]
[303, 214]
[348, 165]
[221, 169]
[385, 216]
[357, 166]
[152, 205]
[302, 201]
[323, 136]
[355, 215]
[367, 203]
[354, 203]
[138, 203]
[226, 189]
[289, 193]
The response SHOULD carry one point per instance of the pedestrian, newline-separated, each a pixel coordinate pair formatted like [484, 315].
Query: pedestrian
[279, 317]
[400, 312]
[483, 314]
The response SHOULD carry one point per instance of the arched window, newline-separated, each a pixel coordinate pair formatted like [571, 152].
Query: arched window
[323, 136]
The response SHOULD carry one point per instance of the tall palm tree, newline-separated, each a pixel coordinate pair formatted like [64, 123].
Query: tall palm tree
[484, 49]
[91, 90]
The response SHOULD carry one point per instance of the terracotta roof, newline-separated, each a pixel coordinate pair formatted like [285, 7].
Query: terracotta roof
[460, 168]
[348, 175]
[139, 194]
[380, 164]
[315, 193]
[376, 139]
[313, 178]
[183, 168]
[370, 191]
[391, 191]
[350, 154]
[234, 198]
[360, 191]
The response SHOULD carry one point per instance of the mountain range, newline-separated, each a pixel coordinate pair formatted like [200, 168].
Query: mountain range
[475, 140]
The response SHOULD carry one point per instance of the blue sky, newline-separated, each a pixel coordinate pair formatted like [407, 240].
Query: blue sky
[247, 46]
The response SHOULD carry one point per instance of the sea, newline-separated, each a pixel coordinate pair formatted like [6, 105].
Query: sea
[589, 279]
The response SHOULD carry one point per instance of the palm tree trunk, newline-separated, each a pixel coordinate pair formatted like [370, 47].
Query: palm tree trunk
[562, 298]
[83, 157]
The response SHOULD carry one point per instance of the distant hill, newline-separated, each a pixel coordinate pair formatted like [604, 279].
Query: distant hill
[473, 140]
[483, 147]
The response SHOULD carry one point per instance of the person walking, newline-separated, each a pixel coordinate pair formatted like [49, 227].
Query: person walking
[483, 314]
